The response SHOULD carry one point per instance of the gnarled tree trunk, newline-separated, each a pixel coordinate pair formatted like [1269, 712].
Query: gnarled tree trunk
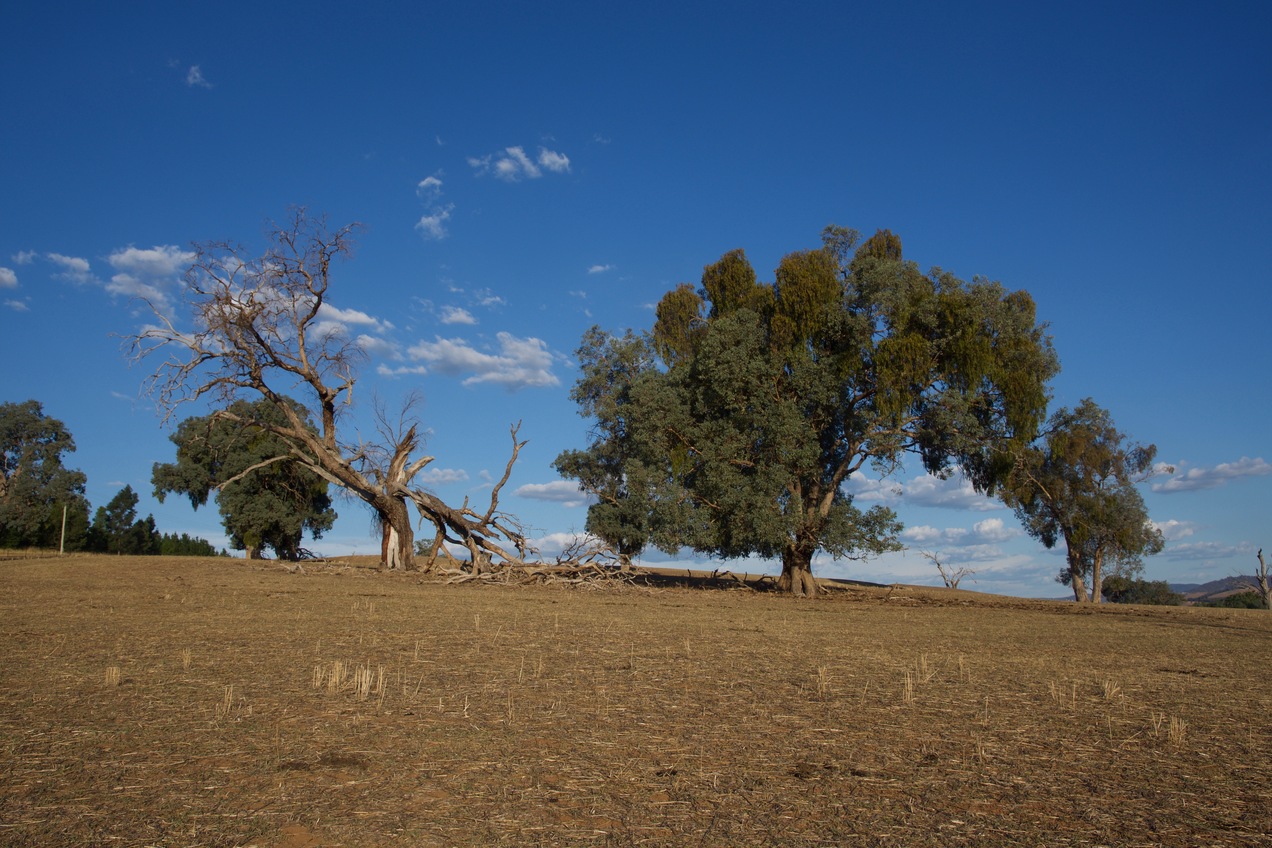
[397, 546]
[797, 571]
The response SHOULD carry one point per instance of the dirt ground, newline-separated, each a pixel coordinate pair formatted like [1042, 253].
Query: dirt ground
[190, 702]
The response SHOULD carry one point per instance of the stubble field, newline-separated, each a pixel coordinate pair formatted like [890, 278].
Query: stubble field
[184, 702]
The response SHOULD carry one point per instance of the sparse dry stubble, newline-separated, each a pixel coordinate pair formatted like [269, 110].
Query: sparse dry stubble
[373, 709]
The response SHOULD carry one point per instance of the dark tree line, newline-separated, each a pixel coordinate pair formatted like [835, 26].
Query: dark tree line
[43, 505]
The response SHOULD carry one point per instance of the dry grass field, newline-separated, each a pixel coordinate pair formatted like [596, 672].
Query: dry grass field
[183, 702]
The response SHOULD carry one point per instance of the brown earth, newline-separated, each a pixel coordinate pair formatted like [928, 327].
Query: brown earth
[184, 702]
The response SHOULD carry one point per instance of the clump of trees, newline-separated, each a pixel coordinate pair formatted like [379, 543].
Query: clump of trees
[732, 426]
[1248, 599]
[116, 529]
[1119, 589]
[43, 505]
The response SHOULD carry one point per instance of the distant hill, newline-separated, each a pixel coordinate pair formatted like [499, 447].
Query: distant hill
[1215, 590]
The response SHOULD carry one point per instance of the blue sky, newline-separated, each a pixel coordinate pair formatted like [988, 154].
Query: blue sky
[524, 171]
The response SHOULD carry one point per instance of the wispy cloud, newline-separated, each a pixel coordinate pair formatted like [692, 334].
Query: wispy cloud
[1210, 478]
[1203, 551]
[600, 269]
[74, 269]
[443, 476]
[455, 315]
[195, 78]
[512, 164]
[24, 257]
[429, 187]
[520, 363]
[563, 492]
[18, 305]
[8, 278]
[433, 224]
[400, 371]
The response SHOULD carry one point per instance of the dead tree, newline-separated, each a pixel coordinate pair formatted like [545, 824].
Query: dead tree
[952, 576]
[258, 328]
[1262, 582]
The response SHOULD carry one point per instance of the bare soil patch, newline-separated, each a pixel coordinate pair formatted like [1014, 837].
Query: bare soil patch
[181, 702]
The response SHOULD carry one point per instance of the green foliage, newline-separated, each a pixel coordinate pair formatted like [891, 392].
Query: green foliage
[1240, 600]
[117, 530]
[1119, 589]
[34, 485]
[266, 499]
[170, 544]
[1079, 485]
[611, 468]
[771, 395]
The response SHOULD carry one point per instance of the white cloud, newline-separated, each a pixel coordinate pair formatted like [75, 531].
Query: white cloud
[563, 492]
[17, 305]
[487, 298]
[430, 186]
[456, 315]
[1210, 478]
[954, 492]
[24, 257]
[377, 346]
[443, 476]
[74, 268]
[520, 362]
[159, 261]
[132, 286]
[433, 225]
[401, 371]
[863, 488]
[558, 163]
[327, 312]
[991, 531]
[195, 78]
[552, 544]
[513, 165]
[600, 269]
[1173, 530]
[148, 274]
[8, 279]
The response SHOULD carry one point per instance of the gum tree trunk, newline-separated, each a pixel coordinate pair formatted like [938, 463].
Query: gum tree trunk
[797, 571]
[397, 545]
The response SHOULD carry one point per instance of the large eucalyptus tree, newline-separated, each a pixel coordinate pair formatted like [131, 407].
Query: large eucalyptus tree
[767, 397]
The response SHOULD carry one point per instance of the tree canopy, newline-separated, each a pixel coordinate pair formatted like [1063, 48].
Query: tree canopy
[34, 484]
[267, 499]
[732, 427]
[1078, 484]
